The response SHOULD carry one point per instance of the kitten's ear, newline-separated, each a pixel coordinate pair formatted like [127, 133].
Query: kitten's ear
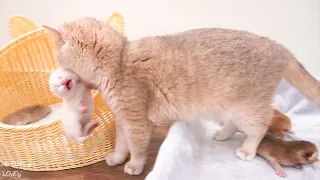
[311, 156]
[57, 34]
[308, 155]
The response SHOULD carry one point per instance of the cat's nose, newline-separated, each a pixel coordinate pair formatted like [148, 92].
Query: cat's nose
[64, 83]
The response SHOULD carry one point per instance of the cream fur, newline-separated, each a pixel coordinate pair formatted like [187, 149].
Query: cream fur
[200, 73]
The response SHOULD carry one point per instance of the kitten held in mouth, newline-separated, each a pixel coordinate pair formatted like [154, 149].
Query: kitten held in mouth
[78, 106]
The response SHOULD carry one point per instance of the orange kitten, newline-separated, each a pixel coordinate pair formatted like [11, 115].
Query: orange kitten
[287, 153]
[280, 125]
[200, 73]
[27, 115]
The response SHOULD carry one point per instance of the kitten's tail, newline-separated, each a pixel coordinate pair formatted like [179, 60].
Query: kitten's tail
[300, 78]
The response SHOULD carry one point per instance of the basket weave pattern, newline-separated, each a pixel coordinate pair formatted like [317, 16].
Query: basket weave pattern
[26, 63]
[20, 25]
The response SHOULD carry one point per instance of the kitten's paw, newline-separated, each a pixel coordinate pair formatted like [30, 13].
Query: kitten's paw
[81, 139]
[298, 166]
[219, 135]
[133, 168]
[244, 154]
[114, 159]
[84, 110]
[281, 173]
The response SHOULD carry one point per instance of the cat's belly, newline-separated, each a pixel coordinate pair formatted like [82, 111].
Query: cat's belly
[164, 113]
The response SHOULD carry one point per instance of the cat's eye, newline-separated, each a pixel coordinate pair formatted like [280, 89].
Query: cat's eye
[308, 154]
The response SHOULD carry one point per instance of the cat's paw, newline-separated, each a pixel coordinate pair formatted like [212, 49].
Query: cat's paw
[280, 172]
[219, 135]
[244, 154]
[132, 168]
[114, 159]
[298, 166]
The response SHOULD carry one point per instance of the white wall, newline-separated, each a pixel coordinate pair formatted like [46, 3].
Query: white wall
[294, 23]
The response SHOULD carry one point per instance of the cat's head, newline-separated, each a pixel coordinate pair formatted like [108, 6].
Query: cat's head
[87, 46]
[63, 83]
[307, 152]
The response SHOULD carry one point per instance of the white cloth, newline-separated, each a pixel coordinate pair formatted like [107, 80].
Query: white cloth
[190, 153]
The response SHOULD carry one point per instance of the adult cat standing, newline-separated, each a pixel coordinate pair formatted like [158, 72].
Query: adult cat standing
[218, 73]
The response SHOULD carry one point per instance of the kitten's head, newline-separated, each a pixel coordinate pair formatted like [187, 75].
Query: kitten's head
[63, 83]
[307, 152]
[86, 46]
[280, 125]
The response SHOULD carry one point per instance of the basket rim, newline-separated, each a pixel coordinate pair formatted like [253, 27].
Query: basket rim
[14, 42]
[28, 127]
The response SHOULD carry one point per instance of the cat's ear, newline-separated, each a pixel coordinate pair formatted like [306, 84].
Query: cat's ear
[56, 34]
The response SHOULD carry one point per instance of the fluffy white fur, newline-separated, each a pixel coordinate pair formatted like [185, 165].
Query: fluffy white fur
[78, 104]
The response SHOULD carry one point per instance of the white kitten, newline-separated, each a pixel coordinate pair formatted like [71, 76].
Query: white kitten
[78, 106]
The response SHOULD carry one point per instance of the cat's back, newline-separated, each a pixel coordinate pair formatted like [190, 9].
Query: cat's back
[209, 49]
[206, 54]
[218, 39]
[191, 66]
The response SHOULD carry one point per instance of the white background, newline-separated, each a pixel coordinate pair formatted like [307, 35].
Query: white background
[294, 23]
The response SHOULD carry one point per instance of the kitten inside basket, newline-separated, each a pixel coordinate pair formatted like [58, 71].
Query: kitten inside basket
[78, 105]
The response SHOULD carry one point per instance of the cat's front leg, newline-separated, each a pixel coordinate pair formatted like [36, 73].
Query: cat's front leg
[121, 151]
[138, 133]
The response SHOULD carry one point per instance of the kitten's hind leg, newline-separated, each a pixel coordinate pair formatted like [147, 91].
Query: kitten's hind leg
[254, 124]
[277, 167]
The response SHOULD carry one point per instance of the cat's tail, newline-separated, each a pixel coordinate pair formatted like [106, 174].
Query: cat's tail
[299, 77]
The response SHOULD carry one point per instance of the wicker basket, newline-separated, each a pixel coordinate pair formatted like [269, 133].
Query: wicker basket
[26, 63]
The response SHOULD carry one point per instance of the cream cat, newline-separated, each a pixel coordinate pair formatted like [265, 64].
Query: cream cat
[77, 103]
[209, 73]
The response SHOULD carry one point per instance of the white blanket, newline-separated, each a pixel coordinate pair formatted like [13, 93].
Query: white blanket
[190, 153]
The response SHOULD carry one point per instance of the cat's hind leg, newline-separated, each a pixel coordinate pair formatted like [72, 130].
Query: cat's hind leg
[254, 124]
[226, 131]
[228, 128]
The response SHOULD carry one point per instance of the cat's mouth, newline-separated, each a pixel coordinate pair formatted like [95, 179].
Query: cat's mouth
[68, 84]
